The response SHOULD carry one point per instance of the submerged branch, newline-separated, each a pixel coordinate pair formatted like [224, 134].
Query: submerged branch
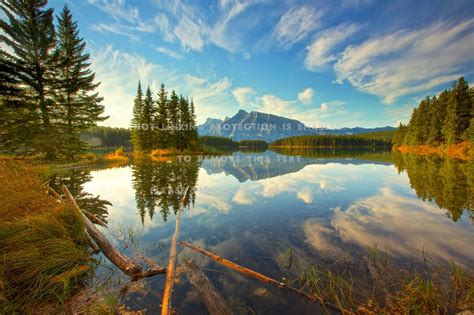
[215, 302]
[258, 276]
[166, 303]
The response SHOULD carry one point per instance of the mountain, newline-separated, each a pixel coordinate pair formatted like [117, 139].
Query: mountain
[268, 127]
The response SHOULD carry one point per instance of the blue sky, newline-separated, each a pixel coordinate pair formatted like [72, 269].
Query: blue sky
[327, 63]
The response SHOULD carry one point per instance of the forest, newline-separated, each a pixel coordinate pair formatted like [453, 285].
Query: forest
[330, 141]
[47, 89]
[165, 123]
[445, 119]
[101, 136]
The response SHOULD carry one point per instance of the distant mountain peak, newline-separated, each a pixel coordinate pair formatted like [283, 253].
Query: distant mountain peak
[268, 127]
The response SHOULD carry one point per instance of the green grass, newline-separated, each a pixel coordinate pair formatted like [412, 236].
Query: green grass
[374, 286]
[44, 254]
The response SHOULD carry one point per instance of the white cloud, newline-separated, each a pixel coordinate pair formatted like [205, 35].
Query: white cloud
[306, 96]
[309, 115]
[119, 73]
[324, 107]
[408, 62]
[243, 94]
[296, 24]
[192, 28]
[402, 225]
[319, 52]
[190, 33]
[169, 52]
[117, 9]
[220, 33]
[305, 195]
[241, 197]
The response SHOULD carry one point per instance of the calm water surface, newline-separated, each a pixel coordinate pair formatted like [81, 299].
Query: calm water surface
[253, 207]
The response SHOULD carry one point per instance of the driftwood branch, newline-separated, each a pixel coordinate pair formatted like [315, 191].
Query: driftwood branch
[258, 276]
[94, 218]
[123, 262]
[166, 302]
[215, 302]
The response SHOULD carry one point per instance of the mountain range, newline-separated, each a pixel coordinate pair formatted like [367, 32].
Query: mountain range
[268, 127]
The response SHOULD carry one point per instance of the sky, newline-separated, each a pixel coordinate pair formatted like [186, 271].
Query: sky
[341, 63]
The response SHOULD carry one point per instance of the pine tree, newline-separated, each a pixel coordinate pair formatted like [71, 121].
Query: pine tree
[463, 109]
[136, 124]
[194, 132]
[399, 135]
[437, 113]
[449, 124]
[184, 122]
[161, 119]
[80, 109]
[30, 33]
[147, 139]
[173, 114]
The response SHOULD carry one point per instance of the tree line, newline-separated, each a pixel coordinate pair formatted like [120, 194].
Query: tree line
[444, 119]
[101, 136]
[46, 85]
[165, 123]
[447, 182]
[331, 141]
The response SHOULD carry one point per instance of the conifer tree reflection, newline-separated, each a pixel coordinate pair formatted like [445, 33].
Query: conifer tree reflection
[160, 185]
[74, 180]
[449, 182]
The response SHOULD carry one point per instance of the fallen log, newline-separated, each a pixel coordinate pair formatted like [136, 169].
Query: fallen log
[94, 218]
[123, 262]
[259, 276]
[166, 302]
[215, 302]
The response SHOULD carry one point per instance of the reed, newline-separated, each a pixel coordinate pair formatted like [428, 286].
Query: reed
[44, 254]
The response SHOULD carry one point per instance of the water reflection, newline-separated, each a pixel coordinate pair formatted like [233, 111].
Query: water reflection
[75, 179]
[449, 182]
[161, 185]
[252, 207]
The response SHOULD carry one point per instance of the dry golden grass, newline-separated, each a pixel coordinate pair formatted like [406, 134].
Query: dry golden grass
[460, 151]
[118, 156]
[44, 253]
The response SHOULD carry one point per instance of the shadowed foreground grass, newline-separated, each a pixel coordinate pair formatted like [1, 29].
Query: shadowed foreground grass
[44, 254]
[374, 286]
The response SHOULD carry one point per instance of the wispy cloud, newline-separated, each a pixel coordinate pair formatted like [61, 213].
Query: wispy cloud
[169, 52]
[408, 62]
[243, 95]
[296, 24]
[320, 51]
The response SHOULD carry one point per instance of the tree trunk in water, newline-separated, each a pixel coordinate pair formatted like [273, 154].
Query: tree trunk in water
[215, 302]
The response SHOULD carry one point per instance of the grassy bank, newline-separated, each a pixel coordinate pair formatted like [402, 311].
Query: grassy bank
[373, 285]
[44, 255]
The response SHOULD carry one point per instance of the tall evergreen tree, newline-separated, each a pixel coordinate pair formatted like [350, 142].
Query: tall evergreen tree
[173, 114]
[161, 119]
[437, 113]
[449, 124]
[194, 132]
[463, 108]
[30, 34]
[399, 135]
[80, 109]
[136, 124]
[147, 121]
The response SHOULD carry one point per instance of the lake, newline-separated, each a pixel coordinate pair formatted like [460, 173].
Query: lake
[280, 213]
